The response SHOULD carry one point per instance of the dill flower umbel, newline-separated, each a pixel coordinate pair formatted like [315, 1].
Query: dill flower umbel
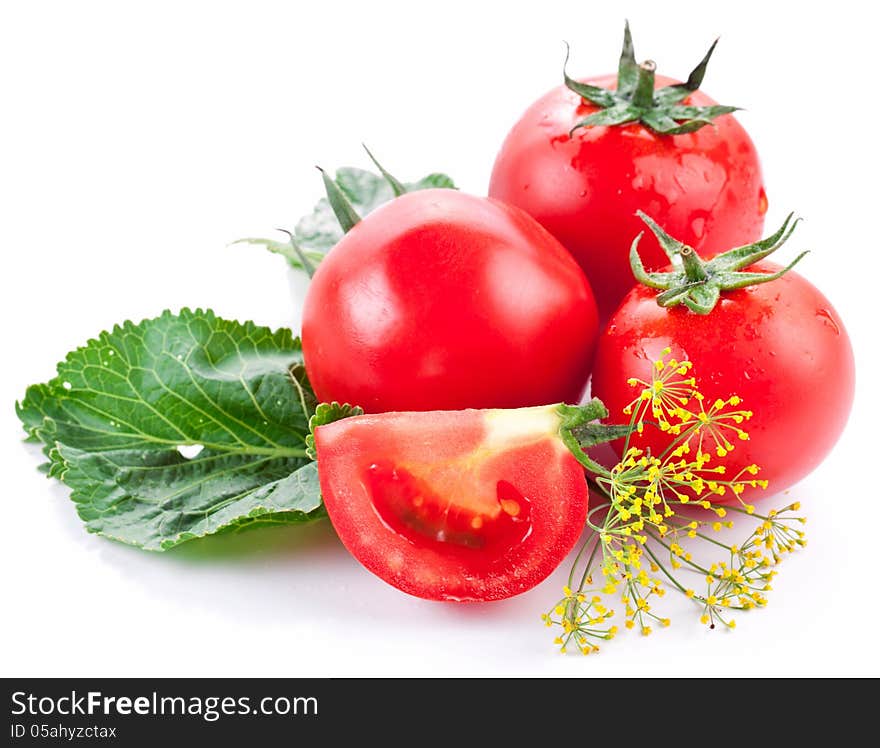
[659, 518]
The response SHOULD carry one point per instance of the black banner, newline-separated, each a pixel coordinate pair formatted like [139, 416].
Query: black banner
[169, 711]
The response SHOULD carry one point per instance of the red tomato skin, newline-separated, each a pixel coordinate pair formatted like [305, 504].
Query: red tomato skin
[443, 300]
[779, 346]
[540, 468]
[704, 188]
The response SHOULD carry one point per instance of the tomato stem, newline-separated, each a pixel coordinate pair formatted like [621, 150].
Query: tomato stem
[694, 269]
[579, 432]
[643, 94]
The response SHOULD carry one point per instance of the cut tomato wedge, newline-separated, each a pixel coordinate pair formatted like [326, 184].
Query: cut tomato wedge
[454, 505]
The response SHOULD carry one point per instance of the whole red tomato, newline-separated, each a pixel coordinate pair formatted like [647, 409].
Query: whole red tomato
[585, 184]
[442, 300]
[779, 347]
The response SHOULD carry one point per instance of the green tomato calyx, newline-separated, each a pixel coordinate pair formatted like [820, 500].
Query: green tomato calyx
[698, 283]
[636, 100]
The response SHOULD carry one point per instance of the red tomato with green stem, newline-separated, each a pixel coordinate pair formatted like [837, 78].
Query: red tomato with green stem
[442, 300]
[778, 347]
[588, 154]
[457, 505]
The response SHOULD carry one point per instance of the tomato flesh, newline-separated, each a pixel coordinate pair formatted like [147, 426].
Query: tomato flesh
[705, 188]
[411, 507]
[454, 505]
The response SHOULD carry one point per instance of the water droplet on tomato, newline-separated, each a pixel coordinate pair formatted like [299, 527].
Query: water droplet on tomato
[762, 202]
[827, 319]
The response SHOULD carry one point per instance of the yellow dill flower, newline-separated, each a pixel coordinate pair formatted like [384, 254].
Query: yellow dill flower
[663, 397]
[643, 533]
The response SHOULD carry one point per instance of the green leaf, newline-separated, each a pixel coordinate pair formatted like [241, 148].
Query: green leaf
[307, 398]
[435, 181]
[318, 232]
[156, 501]
[328, 413]
[286, 249]
[179, 427]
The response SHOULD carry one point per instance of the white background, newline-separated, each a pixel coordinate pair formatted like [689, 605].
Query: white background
[138, 139]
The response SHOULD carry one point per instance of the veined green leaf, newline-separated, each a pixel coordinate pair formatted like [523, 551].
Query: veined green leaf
[179, 427]
[366, 191]
[319, 231]
[153, 502]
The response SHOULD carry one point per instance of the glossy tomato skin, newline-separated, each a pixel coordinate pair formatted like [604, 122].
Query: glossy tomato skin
[780, 346]
[466, 464]
[704, 188]
[443, 300]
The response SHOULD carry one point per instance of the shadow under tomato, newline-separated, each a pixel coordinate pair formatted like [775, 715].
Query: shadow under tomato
[283, 540]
